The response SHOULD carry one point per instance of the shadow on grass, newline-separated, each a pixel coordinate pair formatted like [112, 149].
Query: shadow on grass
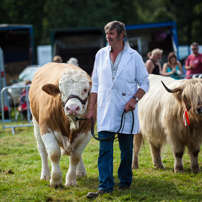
[143, 188]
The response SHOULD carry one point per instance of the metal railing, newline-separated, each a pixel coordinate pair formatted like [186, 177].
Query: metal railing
[12, 117]
[184, 76]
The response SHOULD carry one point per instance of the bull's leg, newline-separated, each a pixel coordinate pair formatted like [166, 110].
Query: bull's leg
[178, 151]
[193, 153]
[45, 171]
[76, 160]
[137, 142]
[81, 170]
[54, 154]
[178, 165]
[156, 155]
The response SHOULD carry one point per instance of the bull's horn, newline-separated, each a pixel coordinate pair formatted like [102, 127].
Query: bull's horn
[171, 90]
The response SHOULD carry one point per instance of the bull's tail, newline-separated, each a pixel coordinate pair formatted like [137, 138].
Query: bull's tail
[137, 143]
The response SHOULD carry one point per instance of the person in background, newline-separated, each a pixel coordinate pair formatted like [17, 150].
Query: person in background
[153, 63]
[22, 108]
[73, 61]
[57, 59]
[172, 68]
[119, 81]
[193, 63]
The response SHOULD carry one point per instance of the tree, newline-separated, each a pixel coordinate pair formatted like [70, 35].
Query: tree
[50, 14]
[188, 15]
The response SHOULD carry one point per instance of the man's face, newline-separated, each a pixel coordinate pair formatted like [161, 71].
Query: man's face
[194, 50]
[112, 37]
[158, 57]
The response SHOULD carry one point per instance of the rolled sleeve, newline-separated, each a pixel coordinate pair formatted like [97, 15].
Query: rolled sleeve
[144, 84]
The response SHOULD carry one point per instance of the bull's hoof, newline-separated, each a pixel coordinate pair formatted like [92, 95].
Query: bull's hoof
[45, 178]
[195, 169]
[45, 174]
[160, 166]
[179, 170]
[55, 183]
[135, 166]
[71, 183]
[82, 174]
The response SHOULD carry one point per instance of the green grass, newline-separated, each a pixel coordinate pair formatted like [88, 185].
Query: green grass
[20, 167]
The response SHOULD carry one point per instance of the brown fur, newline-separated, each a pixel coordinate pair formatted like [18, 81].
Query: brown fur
[48, 110]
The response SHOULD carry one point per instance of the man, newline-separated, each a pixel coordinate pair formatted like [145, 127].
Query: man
[193, 63]
[117, 71]
[152, 64]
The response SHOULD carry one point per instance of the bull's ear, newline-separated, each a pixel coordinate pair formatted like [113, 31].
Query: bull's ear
[51, 89]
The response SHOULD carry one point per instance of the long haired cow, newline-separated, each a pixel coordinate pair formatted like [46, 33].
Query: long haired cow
[171, 113]
[58, 95]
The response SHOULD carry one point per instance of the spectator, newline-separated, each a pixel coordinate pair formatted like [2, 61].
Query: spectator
[193, 63]
[73, 61]
[57, 59]
[173, 67]
[152, 64]
[23, 101]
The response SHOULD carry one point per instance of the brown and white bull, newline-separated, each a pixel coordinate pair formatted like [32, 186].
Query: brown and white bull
[171, 114]
[59, 93]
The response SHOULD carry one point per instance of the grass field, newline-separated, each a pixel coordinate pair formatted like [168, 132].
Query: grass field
[20, 167]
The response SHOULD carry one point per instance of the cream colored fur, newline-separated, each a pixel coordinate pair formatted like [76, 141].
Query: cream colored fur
[161, 121]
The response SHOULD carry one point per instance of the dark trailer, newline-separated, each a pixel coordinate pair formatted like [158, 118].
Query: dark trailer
[82, 44]
[146, 37]
[16, 41]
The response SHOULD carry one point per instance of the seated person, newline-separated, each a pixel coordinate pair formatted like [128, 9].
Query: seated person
[172, 68]
[153, 63]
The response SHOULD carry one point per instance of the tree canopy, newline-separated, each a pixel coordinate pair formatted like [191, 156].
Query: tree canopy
[50, 14]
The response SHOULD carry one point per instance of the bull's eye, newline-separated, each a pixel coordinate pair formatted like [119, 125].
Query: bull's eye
[85, 90]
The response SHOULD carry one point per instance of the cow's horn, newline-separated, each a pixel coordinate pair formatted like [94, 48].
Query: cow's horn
[171, 90]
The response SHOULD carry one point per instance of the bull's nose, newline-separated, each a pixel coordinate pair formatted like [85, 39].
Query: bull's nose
[73, 109]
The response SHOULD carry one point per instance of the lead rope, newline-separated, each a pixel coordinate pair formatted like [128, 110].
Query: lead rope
[112, 137]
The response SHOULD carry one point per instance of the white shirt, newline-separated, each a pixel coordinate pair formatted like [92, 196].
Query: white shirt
[114, 94]
[114, 66]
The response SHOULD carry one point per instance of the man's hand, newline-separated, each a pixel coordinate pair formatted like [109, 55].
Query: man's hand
[90, 115]
[130, 105]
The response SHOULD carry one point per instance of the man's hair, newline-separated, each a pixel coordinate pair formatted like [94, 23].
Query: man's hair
[156, 51]
[195, 44]
[119, 26]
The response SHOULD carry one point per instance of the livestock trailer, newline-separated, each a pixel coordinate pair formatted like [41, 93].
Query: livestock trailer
[79, 43]
[146, 37]
[84, 43]
[17, 45]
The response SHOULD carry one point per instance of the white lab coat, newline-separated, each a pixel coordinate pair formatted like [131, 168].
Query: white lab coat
[114, 94]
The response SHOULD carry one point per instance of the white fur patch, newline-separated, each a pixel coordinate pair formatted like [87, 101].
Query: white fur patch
[74, 82]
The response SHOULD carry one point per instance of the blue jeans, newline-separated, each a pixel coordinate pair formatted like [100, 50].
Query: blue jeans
[105, 161]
